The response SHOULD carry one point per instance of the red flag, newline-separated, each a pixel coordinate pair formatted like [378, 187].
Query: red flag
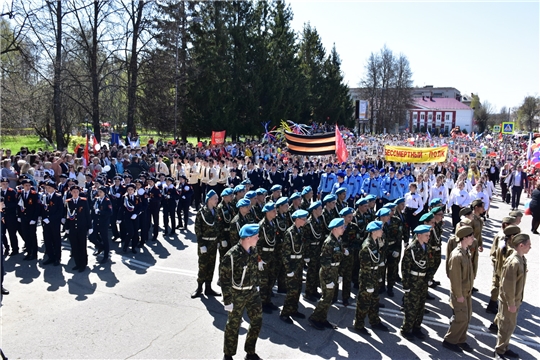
[341, 148]
[86, 155]
[76, 149]
[218, 137]
[95, 142]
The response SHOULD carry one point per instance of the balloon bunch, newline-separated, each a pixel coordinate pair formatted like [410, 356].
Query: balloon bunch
[535, 157]
[299, 129]
[268, 136]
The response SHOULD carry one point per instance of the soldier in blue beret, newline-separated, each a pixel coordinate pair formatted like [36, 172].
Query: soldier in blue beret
[341, 201]
[314, 237]
[329, 211]
[283, 222]
[266, 247]
[239, 278]
[295, 200]
[307, 196]
[242, 217]
[384, 215]
[275, 193]
[351, 243]
[239, 192]
[331, 257]
[395, 232]
[226, 212]
[414, 269]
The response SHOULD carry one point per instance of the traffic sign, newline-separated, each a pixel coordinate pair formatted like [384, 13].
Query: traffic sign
[507, 127]
[497, 128]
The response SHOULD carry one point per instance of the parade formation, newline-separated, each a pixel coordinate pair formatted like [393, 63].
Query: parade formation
[269, 222]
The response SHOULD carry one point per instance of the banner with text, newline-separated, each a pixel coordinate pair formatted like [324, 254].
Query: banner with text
[218, 137]
[415, 155]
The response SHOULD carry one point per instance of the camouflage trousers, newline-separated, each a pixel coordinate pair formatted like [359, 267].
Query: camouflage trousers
[251, 301]
[224, 244]
[413, 305]
[294, 287]
[367, 304]
[381, 273]
[356, 265]
[392, 266]
[267, 277]
[279, 269]
[207, 261]
[312, 273]
[321, 310]
[345, 271]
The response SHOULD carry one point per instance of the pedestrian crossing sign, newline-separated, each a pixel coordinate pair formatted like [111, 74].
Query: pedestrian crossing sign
[507, 127]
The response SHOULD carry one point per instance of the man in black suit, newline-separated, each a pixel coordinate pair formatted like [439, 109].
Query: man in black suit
[10, 197]
[296, 181]
[101, 215]
[78, 226]
[128, 214]
[51, 215]
[28, 211]
[116, 191]
[517, 181]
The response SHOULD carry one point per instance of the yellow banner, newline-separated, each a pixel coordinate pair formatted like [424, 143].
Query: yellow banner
[415, 155]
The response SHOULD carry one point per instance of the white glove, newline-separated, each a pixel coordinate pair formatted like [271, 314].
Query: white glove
[118, 221]
[346, 252]
[177, 201]
[117, 195]
[261, 265]
[183, 197]
[97, 211]
[395, 254]
[228, 307]
[291, 274]
[19, 219]
[171, 186]
[32, 222]
[430, 282]
[63, 221]
[46, 221]
[406, 290]
[330, 286]
[203, 249]
[224, 244]
[133, 217]
[258, 289]
[90, 231]
[67, 232]
[307, 260]
[167, 196]
[340, 279]
[370, 290]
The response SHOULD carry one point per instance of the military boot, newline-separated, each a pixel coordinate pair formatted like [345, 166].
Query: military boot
[208, 290]
[492, 307]
[390, 291]
[197, 293]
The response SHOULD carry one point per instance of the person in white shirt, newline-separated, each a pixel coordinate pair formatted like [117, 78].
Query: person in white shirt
[414, 205]
[439, 190]
[478, 193]
[161, 167]
[449, 182]
[459, 198]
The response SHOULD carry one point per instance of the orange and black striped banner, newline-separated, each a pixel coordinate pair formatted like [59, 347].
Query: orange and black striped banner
[320, 144]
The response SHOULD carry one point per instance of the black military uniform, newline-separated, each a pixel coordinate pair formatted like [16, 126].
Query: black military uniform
[28, 211]
[51, 215]
[129, 213]
[154, 203]
[9, 222]
[116, 191]
[101, 215]
[78, 222]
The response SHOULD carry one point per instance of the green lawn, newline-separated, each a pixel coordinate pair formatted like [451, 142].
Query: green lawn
[16, 142]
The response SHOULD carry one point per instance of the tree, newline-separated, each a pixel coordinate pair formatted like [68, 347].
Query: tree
[528, 113]
[482, 112]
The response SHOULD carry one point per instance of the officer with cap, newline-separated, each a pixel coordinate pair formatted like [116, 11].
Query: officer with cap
[460, 273]
[154, 203]
[314, 237]
[101, 214]
[414, 267]
[330, 259]
[367, 301]
[28, 211]
[78, 225]
[266, 247]
[239, 278]
[116, 191]
[9, 197]
[292, 257]
[207, 230]
[225, 215]
[185, 196]
[128, 216]
[51, 216]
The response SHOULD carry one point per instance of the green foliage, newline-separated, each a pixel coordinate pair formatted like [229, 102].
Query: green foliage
[528, 113]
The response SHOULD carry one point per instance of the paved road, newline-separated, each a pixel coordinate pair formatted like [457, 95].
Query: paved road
[138, 306]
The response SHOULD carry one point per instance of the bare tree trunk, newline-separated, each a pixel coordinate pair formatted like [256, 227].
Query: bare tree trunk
[94, 74]
[57, 94]
[133, 69]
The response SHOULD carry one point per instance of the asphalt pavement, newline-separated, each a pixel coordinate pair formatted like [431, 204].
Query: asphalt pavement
[139, 306]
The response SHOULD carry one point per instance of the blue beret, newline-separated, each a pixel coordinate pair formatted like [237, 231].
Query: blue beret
[245, 182]
[209, 195]
[426, 217]
[249, 230]
[400, 171]
[299, 214]
[295, 196]
[337, 222]
[341, 174]
[392, 169]
[399, 201]
[381, 170]
[239, 188]
[250, 194]
[389, 205]
[422, 229]
[275, 188]
[383, 212]
[371, 198]
[306, 190]
[282, 201]
[435, 202]
[372, 170]
[362, 201]
[227, 192]
[314, 205]
[374, 226]
[269, 207]
[261, 191]
[346, 211]
[243, 202]
[340, 190]
[436, 210]
[329, 198]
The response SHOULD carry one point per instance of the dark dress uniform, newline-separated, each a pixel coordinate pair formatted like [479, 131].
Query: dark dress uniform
[51, 215]
[115, 195]
[154, 203]
[101, 215]
[184, 201]
[144, 220]
[78, 222]
[170, 196]
[9, 220]
[28, 211]
[129, 215]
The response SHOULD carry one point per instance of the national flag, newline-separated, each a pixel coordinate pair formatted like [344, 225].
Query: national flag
[428, 134]
[341, 148]
[529, 148]
[478, 136]
[86, 157]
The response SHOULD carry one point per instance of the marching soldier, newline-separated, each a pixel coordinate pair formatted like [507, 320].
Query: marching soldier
[360, 220]
[383, 215]
[294, 201]
[239, 278]
[28, 211]
[259, 203]
[154, 203]
[329, 212]
[207, 229]
[307, 196]
[330, 258]
[51, 215]
[144, 220]
[170, 196]
[282, 222]
[397, 231]
[243, 217]
[275, 193]
[435, 239]
[266, 246]
[102, 212]
[477, 224]
[348, 239]
[341, 203]
[9, 215]
[78, 226]
[313, 237]
[225, 216]
[116, 191]
[128, 215]
[186, 194]
[367, 301]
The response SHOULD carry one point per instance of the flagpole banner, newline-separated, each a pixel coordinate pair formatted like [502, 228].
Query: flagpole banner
[341, 148]
[218, 137]
[320, 144]
[415, 155]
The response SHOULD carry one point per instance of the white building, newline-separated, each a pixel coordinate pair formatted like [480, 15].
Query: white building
[439, 115]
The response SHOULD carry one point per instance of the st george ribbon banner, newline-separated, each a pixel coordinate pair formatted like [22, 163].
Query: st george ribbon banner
[218, 137]
[415, 155]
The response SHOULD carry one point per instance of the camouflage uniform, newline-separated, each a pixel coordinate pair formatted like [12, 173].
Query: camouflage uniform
[350, 239]
[395, 235]
[313, 235]
[238, 274]
[361, 221]
[477, 224]
[383, 246]
[367, 301]
[256, 213]
[328, 216]
[414, 272]
[331, 256]
[236, 224]
[225, 216]
[266, 247]
[207, 230]
[282, 221]
[304, 205]
[292, 257]
[451, 244]
[436, 246]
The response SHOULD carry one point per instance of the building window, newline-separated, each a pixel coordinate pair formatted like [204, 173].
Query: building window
[439, 117]
[447, 117]
[415, 116]
[422, 116]
[430, 116]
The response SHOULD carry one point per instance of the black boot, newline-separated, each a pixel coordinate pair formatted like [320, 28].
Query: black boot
[197, 293]
[492, 307]
[208, 290]
[390, 291]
